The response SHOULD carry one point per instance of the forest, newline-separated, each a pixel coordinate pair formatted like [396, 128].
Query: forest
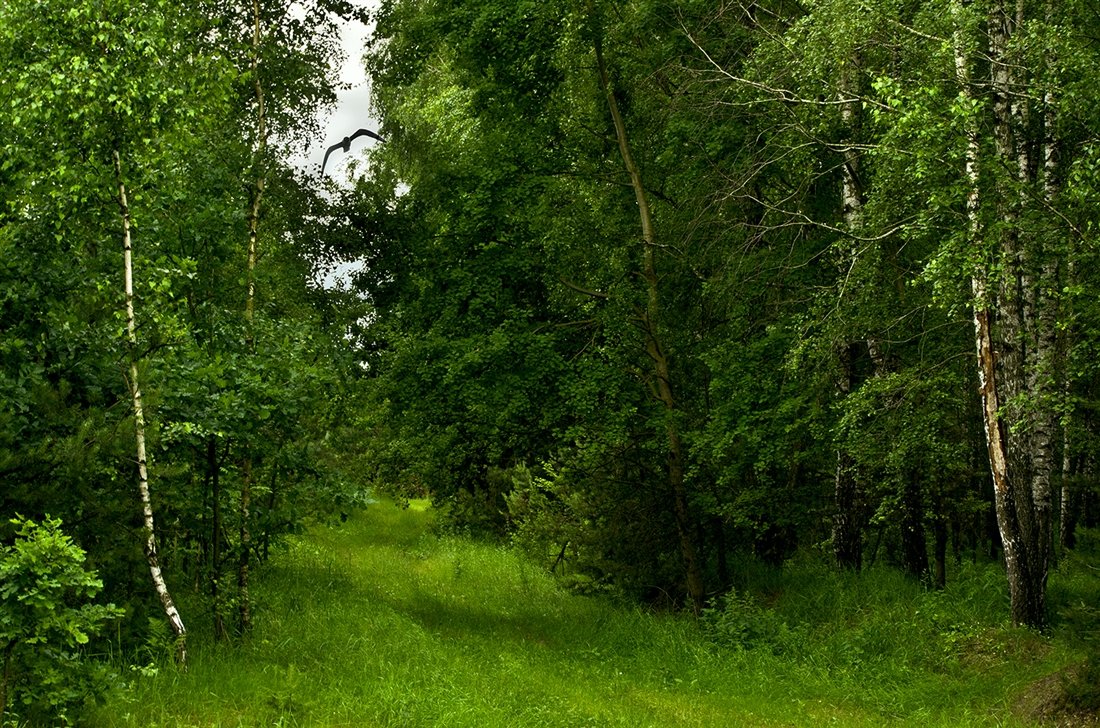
[683, 308]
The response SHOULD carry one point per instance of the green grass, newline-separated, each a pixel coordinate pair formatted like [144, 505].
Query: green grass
[382, 622]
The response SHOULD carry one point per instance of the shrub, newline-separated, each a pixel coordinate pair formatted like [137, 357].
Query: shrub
[738, 621]
[46, 619]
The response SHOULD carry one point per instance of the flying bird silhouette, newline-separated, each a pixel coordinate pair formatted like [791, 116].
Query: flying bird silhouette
[346, 145]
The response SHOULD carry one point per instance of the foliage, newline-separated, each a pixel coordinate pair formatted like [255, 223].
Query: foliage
[787, 348]
[171, 89]
[738, 621]
[594, 527]
[812, 269]
[47, 620]
[1077, 588]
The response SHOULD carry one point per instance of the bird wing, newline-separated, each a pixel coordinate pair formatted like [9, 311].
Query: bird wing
[346, 145]
[333, 148]
[366, 132]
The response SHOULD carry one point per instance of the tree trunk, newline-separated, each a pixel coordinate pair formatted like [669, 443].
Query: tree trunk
[939, 574]
[657, 354]
[272, 499]
[913, 541]
[1069, 506]
[719, 527]
[261, 181]
[150, 545]
[1067, 516]
[5, 678]
[245, 611]
[221, 633]
[847, 524]
[847, 519]
[1013, 333]
[244, 624]
[1088, 515]
[851, 194]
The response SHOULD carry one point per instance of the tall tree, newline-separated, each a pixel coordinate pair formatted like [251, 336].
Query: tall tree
[101, 69]
[651, 317]
[150, 546]
[1014, 310]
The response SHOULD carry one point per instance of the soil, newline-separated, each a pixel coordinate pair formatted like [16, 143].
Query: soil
[1046, 703]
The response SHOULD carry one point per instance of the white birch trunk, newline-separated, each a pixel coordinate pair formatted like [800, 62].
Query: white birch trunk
[150, 545]
[1013, 328]
[1045, 372]
[847, 529]
[983, 330]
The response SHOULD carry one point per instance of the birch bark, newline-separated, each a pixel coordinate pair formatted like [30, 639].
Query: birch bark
[150, 544]
[847, 521]
[1014, 321]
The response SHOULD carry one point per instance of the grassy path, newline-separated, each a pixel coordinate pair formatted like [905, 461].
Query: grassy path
[380, 622]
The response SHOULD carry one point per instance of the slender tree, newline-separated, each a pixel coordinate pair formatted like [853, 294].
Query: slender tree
[134, 381]
[662, 382]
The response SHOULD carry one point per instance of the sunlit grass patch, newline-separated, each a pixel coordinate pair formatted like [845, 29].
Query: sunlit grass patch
[382, 621]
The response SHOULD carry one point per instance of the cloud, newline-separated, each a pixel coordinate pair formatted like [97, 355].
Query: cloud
[352, 109]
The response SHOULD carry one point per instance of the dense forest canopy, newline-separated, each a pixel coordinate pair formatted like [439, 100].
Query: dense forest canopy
[672, 281]
[648, 287]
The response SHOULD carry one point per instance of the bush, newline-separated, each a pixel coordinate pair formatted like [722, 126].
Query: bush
[738, 621]
[46, 619]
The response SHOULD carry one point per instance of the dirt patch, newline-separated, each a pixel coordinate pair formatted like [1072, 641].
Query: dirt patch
[998, 647]
[1048, 702]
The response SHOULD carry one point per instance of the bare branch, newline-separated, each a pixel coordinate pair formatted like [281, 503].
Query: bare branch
[581, 289]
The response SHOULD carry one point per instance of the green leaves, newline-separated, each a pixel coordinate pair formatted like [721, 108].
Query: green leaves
[45, 617]
[165, 86]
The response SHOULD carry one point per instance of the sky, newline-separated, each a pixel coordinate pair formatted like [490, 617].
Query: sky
[352, 110]
[351, 113]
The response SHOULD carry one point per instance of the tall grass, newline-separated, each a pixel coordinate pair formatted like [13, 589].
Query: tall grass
[382, 622]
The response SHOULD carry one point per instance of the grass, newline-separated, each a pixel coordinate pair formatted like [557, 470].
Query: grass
[382, 622]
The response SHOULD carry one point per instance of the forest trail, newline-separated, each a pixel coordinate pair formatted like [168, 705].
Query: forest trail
[382, 621]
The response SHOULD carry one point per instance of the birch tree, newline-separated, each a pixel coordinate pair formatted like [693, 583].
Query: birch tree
[285, 60]
[175, 621]
[1015, 310]
[103, 70]
[999, 125]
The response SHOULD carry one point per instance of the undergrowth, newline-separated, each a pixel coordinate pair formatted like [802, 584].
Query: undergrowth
[383, 622]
